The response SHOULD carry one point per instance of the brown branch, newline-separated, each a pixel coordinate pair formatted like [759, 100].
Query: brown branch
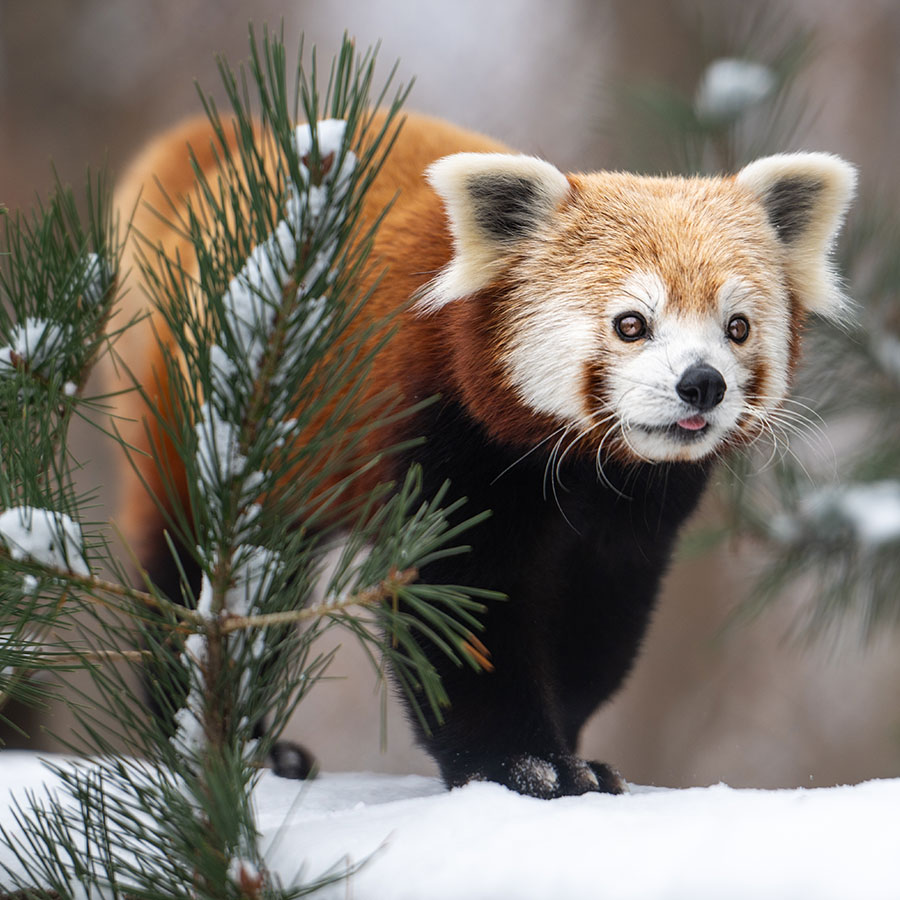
[94, 585]
[366, 597]
[93, 656]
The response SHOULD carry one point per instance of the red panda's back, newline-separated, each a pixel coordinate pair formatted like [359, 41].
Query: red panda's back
[412, 243]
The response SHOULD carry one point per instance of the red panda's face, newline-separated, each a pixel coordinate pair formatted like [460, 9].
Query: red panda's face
[645, 318]
[680, 384]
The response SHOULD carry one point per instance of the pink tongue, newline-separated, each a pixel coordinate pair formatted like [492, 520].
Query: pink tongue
[694, 423]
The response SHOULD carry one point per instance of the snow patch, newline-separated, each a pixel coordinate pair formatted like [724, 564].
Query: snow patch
[251, 577]
[870, 511]
[255, 295]
[246, 875]
[886, 349]
[96, 277]
[30, 585]
[329, 136]
[873, 510]
[219, 457]
[414, 839]
[33, 343]
[254, 568]
[43, 536]
[729, 87]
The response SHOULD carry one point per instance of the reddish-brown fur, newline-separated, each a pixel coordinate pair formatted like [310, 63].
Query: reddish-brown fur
[667, 224]
[519, 336]
[418, 362]
[693, 233]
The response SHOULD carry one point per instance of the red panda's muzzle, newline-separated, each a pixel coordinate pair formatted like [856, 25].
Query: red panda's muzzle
[701, 386]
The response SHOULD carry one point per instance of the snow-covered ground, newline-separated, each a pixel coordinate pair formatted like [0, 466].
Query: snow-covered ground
[483, 841]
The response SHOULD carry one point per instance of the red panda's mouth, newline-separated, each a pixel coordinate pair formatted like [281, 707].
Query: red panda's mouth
[684, 430]
[692, 423]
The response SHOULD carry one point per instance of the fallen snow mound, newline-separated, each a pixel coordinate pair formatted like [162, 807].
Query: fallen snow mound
[422, 842]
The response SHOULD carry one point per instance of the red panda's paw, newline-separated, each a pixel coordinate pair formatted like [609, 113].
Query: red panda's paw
[608, 779]
[290, 760]
[556, 775]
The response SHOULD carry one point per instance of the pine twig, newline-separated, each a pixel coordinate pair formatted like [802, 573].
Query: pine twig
[370, 596]
[93, 656]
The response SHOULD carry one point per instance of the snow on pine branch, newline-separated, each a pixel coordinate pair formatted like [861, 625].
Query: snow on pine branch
[870, 513]
[256, 295]
[95, 278]
[32, 344]
[251, 578]
[252, 303]
[41, 346]
[729, 87]
[329, 139]
[273, 286]
[43, 536]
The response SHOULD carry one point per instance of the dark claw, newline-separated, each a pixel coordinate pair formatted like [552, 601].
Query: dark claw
[549, 777]
[608, 779]
[290, 760]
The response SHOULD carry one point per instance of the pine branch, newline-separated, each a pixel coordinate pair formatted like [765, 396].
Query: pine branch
[267, 375]
[57, 284]
[372, 596]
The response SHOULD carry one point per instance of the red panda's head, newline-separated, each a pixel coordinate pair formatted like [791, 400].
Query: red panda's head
[648, 318]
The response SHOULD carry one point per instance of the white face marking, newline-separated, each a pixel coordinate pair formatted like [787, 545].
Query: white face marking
[551, 341]
[769, 332]
[644, 377]
[647, 397]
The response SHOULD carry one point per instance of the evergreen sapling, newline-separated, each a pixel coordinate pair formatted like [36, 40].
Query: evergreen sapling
[257, 317]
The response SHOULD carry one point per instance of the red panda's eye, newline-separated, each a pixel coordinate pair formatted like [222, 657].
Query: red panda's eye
[738, 329]
[630, 326]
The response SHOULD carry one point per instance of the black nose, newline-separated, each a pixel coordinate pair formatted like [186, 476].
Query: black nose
[702, 386]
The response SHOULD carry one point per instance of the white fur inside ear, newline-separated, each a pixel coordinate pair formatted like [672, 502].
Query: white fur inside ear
[806, 196]
[493, 201]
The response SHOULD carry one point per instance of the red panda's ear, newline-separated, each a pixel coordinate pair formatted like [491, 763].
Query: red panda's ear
[805, 196]
[493, 201]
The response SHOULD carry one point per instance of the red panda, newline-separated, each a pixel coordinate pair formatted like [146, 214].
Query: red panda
[606, 334]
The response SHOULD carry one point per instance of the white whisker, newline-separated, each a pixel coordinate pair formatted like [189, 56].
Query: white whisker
[601, 472]
[528, 453]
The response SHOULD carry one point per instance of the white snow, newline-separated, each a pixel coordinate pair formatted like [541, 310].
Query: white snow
[95, 276]
[252, 571]
[870, 510]
[219, 458]
[886, 349]
[246, 876]
[29, 584]
[729, 87]
[256, 292]
[43, 536]
[35, 341]
[189, 737]
[330, 137]
[329, 133]
[250, 303]
[484, 842]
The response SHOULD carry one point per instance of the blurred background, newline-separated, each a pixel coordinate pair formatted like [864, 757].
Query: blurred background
[750, 704]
